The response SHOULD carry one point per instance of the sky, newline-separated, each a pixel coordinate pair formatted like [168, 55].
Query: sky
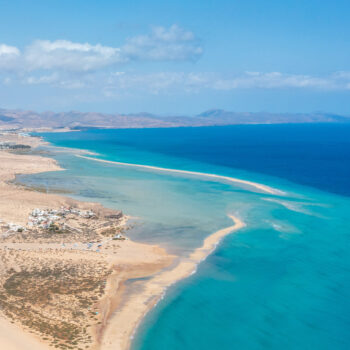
[175, 57]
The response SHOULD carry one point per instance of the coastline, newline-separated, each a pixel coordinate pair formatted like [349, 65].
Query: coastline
[16, 203]
[118, 311]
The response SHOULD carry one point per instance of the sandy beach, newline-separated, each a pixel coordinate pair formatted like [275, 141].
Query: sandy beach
[28, 252]
[134, 308]
[88, 304]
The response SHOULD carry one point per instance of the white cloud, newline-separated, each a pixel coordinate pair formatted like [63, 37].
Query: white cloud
[64, 54]
[164, 82]
[8, 56]
[163, 44]
[43, 79]
[154, 83]
[58, 80]
[160, 83]
[72, 65]
[6, 50]
[273, 80]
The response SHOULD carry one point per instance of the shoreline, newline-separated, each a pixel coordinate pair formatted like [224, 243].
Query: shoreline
[258, 186]
[16, 204]
[155, 289]
[122, 312]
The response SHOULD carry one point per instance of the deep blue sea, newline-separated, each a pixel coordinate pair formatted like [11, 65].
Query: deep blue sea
[283, 282]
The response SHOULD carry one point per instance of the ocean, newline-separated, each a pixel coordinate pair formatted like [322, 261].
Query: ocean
[281, 282]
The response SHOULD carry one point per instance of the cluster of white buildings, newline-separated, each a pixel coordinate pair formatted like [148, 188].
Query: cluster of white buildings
[87, 214]
[43, 218]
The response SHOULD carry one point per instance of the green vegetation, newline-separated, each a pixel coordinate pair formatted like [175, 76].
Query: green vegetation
[56, 302]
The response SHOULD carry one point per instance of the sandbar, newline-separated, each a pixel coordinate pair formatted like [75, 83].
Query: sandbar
[258, 186]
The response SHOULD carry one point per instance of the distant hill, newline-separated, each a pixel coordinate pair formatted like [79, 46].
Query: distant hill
[78, 120]
[272, 118]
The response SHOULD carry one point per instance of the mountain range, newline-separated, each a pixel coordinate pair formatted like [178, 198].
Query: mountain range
[29, 120]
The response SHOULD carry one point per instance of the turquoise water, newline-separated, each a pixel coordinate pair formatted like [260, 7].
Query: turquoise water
[282, 282]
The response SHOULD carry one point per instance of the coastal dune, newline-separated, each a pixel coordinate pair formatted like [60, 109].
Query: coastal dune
[11, 338]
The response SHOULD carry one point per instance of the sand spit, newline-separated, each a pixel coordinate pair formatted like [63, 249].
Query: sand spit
[260, 187]
[124, 322]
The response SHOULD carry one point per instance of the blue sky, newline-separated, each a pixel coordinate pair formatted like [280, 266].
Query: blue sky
[179, 57]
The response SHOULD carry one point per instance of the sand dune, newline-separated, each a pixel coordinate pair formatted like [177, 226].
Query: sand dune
[13, 338]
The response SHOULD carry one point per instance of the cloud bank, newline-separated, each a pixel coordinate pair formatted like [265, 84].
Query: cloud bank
[162, 82]
[162, 44]
[119, 83]
[71, 65]
[173, 44]
[66, 55]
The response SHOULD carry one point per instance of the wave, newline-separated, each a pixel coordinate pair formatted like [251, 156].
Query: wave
[298, 207]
